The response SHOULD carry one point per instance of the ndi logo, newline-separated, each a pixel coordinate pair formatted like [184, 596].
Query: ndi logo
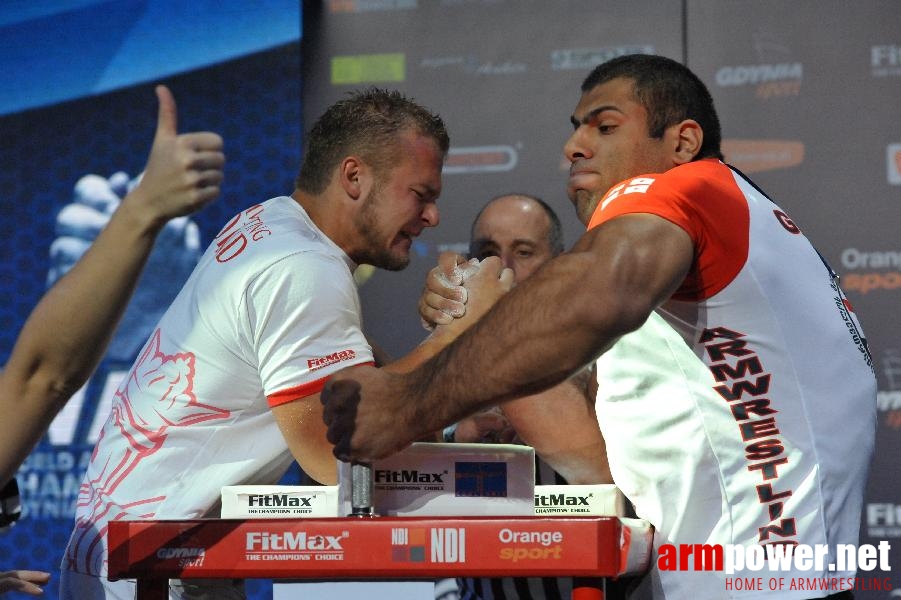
[448, 545]
[408, 544]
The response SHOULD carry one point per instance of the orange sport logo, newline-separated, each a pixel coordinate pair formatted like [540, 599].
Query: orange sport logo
[864, 283]
[869, 271]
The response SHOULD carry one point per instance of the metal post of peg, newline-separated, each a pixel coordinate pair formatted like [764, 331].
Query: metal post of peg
[361, 490]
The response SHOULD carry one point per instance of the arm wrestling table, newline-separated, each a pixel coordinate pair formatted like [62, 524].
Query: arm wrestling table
[355, 548]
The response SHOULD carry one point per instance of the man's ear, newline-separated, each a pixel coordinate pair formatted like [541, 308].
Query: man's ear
[688, 138]
[354, 176]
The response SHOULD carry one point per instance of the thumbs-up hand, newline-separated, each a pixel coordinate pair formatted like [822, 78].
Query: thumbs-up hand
[183, 172]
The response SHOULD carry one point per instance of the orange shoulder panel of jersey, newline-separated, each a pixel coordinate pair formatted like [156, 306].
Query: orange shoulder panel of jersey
[301, 391]
[702, 198]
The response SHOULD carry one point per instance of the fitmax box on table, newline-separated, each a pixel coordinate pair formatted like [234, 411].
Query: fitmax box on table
[431, 479]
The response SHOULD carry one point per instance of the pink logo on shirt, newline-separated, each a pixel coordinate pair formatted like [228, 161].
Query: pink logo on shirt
[244, 228]
[156, 395]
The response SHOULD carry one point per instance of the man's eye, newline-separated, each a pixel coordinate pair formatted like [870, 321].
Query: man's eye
[606, 128]
[524, 253]
[486, 253]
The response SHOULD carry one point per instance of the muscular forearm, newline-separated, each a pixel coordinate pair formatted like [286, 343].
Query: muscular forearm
[429, 347]
[567, 313]
[494, 362]
[561, 424]
[561, 318]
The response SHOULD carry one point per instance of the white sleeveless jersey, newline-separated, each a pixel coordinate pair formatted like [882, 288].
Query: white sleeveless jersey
[768, 437]
[270, 311]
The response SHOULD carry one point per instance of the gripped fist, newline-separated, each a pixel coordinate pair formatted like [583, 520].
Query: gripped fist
[443, 298]
[366, 414]
[483, 284]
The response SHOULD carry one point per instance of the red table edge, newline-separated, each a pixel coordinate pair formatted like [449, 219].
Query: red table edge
[625, 545]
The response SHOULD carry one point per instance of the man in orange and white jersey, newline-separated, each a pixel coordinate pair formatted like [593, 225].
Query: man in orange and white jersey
[736, 395]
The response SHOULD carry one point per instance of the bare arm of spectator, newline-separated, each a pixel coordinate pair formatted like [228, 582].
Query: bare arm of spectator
[68, 331]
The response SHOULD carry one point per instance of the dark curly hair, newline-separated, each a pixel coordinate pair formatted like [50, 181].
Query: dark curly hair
[670, 93]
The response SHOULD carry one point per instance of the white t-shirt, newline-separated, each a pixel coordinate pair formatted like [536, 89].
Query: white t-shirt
[768, 438]
[270, 311]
